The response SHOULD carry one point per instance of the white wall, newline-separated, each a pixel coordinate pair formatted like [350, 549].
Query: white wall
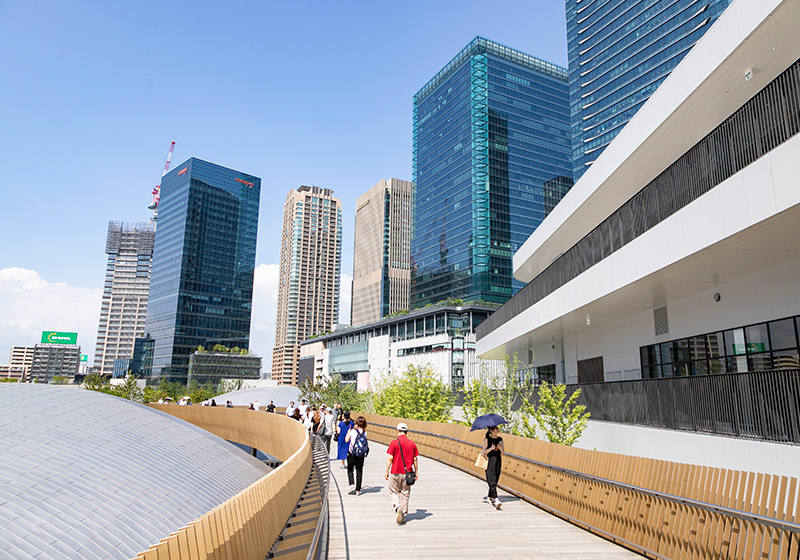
[696, 449]
[763, 297]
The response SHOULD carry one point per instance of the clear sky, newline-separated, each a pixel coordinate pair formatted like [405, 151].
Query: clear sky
[295, 92]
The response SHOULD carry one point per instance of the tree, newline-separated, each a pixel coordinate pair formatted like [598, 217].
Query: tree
[333, 391]
[96, 382]
[128, 390]
[417, 394]
[561, 421]
[500, 393]
[199, 393]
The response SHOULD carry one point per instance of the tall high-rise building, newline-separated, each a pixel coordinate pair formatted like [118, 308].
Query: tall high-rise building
[201, 289]
[382, 255]
[619, 53]
[308, 289]
[490, 129]
[124, 307]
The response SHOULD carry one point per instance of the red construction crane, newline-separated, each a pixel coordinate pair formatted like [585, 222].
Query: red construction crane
[157, 189]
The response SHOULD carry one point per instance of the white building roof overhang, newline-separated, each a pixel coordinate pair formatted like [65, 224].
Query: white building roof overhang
[753, 36]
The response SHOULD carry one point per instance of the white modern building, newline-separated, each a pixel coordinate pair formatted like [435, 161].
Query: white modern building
[678, 251]
[441, 336]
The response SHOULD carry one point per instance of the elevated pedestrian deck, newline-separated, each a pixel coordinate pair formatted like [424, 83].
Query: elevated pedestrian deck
[448, 518]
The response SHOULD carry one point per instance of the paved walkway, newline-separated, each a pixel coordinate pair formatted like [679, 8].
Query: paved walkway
[447, 518]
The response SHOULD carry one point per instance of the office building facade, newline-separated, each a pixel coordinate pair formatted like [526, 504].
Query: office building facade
[619, 53]
[382, 255]
[123, 310]
[677, 255]
[54, 361]
[309, 276]
[489, 130]
[213, 367]
[201, 289]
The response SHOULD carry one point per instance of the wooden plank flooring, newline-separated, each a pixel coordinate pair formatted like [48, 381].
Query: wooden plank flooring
[447, 518]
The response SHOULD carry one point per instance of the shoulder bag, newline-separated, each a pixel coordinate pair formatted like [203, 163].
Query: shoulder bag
[411, 476]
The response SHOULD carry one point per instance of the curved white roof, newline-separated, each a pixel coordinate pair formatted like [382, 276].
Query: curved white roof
[88, 475]
[282, 395]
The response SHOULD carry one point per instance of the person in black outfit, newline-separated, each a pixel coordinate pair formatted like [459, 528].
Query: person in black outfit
[271, 407]
[493, 450]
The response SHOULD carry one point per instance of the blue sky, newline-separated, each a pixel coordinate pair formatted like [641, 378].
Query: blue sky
[293, 92]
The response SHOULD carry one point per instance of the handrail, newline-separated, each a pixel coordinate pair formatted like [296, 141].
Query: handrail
[713, 508]
[324, 516]
[660, 509]
[247, 525]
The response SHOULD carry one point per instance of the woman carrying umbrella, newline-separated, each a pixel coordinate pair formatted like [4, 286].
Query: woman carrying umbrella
[493, 450]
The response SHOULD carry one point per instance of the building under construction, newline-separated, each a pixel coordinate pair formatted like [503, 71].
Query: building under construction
[124, 308]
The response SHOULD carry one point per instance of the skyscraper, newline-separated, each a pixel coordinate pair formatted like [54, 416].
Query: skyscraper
[124, 307]
[619, 53]
[201, 291]
[381, 259]
[308, 289]
[490, 129]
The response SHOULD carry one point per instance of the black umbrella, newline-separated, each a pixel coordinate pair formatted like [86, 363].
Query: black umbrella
[487, 421]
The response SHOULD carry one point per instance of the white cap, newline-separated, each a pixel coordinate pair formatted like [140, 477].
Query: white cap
[402, 427]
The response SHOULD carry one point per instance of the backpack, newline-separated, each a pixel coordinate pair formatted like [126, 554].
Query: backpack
[361, 445]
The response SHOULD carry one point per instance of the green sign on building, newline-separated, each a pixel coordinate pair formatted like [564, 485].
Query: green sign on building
[53, 337]
[84, 357]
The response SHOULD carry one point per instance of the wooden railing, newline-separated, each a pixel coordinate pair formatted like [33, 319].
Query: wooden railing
[247, 525]
[656, 508]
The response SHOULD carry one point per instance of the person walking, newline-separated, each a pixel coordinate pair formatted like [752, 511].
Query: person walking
[316, 420]
[270, 407]
[341, 433]
[328, 428]
[358, 449]
[307, 421]
[290, 409]
[493, 450]
[402, 454]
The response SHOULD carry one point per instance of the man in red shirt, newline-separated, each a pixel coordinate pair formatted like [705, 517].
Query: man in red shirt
[396, 470]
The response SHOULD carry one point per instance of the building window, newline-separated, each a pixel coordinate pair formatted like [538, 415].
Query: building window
[759, 347]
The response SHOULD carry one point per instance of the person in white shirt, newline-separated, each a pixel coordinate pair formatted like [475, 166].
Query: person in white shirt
[303, 407]
[308, 420]
[290, 409]
[256, 405]
[327, 431]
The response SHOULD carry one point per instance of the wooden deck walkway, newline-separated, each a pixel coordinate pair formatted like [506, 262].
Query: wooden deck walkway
[447, 518]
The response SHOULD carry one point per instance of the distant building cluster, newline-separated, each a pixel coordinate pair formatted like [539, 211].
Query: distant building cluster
[535, 222]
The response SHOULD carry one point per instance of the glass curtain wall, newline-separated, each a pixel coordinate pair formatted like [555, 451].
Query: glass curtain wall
[490, 130]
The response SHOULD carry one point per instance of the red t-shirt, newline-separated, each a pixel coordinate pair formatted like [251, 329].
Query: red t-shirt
[409, 452]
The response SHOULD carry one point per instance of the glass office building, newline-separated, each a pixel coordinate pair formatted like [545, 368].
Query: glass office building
[490, 130]
[201, 287]
[619, 53]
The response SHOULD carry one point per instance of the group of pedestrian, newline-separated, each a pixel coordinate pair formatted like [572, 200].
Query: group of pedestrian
[402, 465]
[255, 405]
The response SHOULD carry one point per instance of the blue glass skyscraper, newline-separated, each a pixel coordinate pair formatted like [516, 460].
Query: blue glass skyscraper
[490, 129]
[201, 286]
[619, 53]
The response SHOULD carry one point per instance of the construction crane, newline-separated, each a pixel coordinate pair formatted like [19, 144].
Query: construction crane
[157, 190]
